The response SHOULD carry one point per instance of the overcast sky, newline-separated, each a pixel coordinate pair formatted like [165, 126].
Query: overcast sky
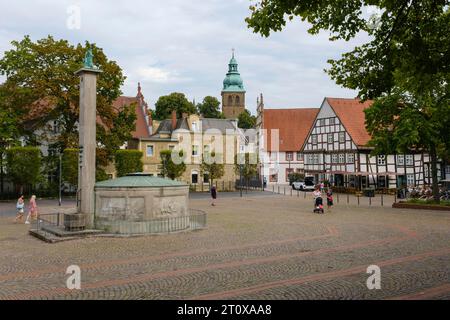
[185, 46]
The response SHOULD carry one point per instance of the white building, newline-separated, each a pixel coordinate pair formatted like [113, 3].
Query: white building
[281, 134]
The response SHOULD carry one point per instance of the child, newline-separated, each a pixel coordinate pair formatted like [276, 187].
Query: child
[329, 198]
[20, 207]
[33, 209]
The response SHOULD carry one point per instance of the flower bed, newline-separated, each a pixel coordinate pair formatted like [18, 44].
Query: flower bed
[423, 204]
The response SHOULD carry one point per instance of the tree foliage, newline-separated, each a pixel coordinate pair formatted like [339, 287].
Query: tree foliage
[70, 166]
[212, 165]
[246, 164]
[169, 168]
[41, 84]
[210, 108]
[174, 101]
[128, 161]
[246, 120]
[23, 165]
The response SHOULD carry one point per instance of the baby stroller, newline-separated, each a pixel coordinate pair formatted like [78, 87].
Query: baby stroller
[318, 205]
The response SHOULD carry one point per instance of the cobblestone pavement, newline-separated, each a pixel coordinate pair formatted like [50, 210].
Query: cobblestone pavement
[253, 248]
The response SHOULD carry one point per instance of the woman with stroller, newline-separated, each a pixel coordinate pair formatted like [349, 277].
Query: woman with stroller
[318, 201]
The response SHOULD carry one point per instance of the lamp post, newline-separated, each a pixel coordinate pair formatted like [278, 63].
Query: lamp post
[60, 178]
[240, 178]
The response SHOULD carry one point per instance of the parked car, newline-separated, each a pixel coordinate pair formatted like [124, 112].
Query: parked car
[304, 185]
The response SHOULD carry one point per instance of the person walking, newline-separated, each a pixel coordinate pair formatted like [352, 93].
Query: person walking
[33, 211]
[20, 208]
[213, 195]
[329, 198]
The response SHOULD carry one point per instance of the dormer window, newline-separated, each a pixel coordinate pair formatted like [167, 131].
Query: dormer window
[194, 126]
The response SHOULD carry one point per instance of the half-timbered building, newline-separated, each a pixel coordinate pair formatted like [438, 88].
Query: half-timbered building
[336, 150]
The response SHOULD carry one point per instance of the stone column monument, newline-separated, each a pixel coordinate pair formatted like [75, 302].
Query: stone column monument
[87, 139]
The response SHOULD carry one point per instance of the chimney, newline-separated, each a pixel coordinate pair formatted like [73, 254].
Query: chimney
[174, 119]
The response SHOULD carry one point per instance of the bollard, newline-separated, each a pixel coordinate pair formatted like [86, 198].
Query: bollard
[358, 200]
[337, 197]
[348, 197]
[291, 192]
[382, 203]
[370, 201]
[304, 194]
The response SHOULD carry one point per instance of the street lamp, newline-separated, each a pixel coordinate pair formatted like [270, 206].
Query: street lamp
[240, 178]
[60, 178]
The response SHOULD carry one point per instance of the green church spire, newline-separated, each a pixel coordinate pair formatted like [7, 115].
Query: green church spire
[233, 81]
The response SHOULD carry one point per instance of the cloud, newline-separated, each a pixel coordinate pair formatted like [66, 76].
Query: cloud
[185, 46]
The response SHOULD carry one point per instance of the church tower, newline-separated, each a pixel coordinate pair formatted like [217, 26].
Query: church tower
[233, 93]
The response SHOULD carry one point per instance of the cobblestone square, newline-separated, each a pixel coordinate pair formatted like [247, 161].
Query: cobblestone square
[255, 247]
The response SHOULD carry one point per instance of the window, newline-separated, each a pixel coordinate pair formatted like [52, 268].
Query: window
[314, 139]
[330, 138]
[310, 159]
[316, 159]
[273, 177]
[206, 148]
[273, 156]
[341, 158]
[230, 100]
[289, 156]
[194, 177]
[171, 147]
[409, 159]
[237, 100]
[350, 157]
[194, 126]
[321, 122]
[334, 158]
[194, 150]
[150, 150]
[381, 160]
[381, 181]
[332, 121]
[410, 180]
[299, 156]
[288, 172]
[400, 160]
[341, 137]
[55, 127]
[205, 178]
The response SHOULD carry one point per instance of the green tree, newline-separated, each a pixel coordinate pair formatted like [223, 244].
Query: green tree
[174, 101]
[128, 161]
[23, 165]
[169, 168]
[209, 108]
[70, 166]
[9, 132]
[246, 120]
[212, 164]
[246, 164]
[41, 83]
[405, 65]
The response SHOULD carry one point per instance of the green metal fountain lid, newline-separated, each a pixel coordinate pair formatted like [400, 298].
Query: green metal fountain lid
[139, 180]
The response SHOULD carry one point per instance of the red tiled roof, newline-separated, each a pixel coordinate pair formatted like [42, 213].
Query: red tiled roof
[141, 130]
[351, 113]
[293, 126]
